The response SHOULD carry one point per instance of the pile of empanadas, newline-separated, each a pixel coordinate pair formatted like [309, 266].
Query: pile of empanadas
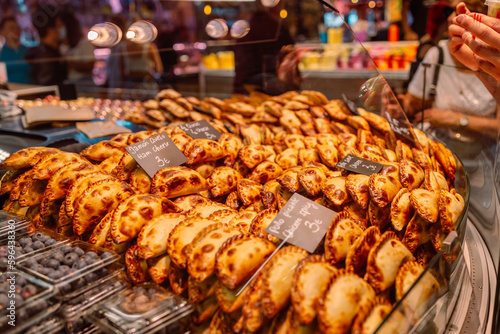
[201, 227]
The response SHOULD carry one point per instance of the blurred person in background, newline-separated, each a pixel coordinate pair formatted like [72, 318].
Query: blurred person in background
[78, 51]
[47, 65]
[256, 54]
[419, 10]
[463, 113]
[13, 52]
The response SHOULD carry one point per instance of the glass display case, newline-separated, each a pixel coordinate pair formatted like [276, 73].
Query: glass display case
[280, 86]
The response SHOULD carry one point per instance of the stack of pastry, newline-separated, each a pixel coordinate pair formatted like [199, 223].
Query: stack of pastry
[201, 227]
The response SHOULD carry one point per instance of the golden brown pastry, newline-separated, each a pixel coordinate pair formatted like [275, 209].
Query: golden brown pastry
[231, 145]
[340, 236]
[371, 315]
[357, 256]
[252, 155]
[425, 203]
[81, 183]
[103, 150]
[178, 181]
[358, 187]
[223, 181]
[151, 241]
[383, 189]
[158, 268]
[46, 167]
[335, 190]
[200, 150]
[451, 205]
[22, 158]
[265, 171]
[401, 210]
[248, 191]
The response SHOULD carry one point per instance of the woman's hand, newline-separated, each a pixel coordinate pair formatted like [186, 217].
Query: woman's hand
[439, 117]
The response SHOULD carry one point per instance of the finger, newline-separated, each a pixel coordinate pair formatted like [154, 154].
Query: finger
[488, 67]
[462, 9]
[455, 30]
[486, 30]
[481, 49]
[463, 53]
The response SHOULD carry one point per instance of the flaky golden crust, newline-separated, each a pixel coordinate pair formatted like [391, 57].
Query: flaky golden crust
[357, 257]
[425, 203]
[223, 181]
[158, 268]
[177, 181]
[311, 178]
[78, 186]
[340, 236]
[451, 205]
[239, 257]
[417, 233]
[248, 191]
[336, 191]
[137, 269]
[47, 166]
[358, 187]
[22, 158]
[379, 216]
[261, 222]
[265, 171]
[103, 150]
[200, 150]
[383, 189]
[384, 260]
[60, 182]
[311, 278]
[98, 236]
[401, 210]
[371, 315]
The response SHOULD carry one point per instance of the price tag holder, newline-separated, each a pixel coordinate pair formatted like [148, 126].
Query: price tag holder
[359, 165]
[200, 130]
[302, 222]
[400, 125]
[155, 153]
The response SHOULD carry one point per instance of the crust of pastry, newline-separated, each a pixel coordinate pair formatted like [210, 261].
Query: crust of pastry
[200, 150]
[371, 315]
[417, 233]
[223, 181]
[311, 178]
[358, 186]
[178, 278]
[98, 199]
[103, 150]
[151, 239]
[261, 222]
[252, 155]
[158, 268]
[243, 220]
[100, 232]
[425, 203]
[288, 158]
[177, 181]
[384, 261]
[451, 205]
[24, 157]
[311, 278]
[289, 179]
[401, 210]
[201, 291]
[231, 145]
[336, 191]
[201, 251]
[357, 257]
[46, 167]
[137, 269]
[60, 182]
[340, 236]
[239, 257]
[341, 302]
[277, 279]
[411, 175]
[140, 180]
[32, 192]
[248, 191]
[383, 189]
[265, 171]
[125, 167]
[8, 180]
[81, 183]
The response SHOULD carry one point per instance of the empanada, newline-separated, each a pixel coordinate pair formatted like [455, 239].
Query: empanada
[243, 220]
[376, 121]
[435, 181]
[223, 216]
[425, 203]
[205, 210]
[233, 201]
[335, 111]
[22, 158]
[411, 175]
[418, 232]
[178, 278]
[322, 125]
[223, 181]
[122, 138]
[79, 186]
[251, 134]
[200, 150]
[371, 315]
[342, 301]
[125, 167]
[140, 180]
[310, 141]
[158, 268]
[311, 178]
[308, 157]
[46, 167]
[401, 210]
[201, 251]
[261, 222]
[151, 241]
[384, 261]
[59, 183]
[32, 192]
[288, 158]
[8, 180]
[100, 232]
[277, 279]
[99, 198]
[423, 294]
[230, 300]
[199, 292]
[311, 278]
[252, 155]
[357, 256]
[289, 179]
[358, 187]
[379, 216]
[451, 205]
[134, 212]
[239, 257]
[383, 189]
[231, 145]
[18, 184]
[103, 150]
[181, 140]
[340, 236]
[137, 269]
[186, 203]
[174, 108]
[181, 236]
[328, 154]
[265, 171]
[248, 191]
[403, 151]
[252, 315]
[335, 190]
[295, 141]
[178, 181]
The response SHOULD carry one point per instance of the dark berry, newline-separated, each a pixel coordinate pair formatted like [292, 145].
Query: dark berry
[54, 264]
[58, 256]
[28, 291]
[79, 251]
[38, 245]
[70, 259]
[66, 249]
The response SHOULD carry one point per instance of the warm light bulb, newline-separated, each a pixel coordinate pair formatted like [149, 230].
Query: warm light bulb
[207, 10]
[131, 34]
[92, 35]
[283, 13]
[372, 4]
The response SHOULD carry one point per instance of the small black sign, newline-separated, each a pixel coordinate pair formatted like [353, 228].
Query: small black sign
[399, 124]
[200, 129]
[155, 153]
[302, 223]
[359, 165]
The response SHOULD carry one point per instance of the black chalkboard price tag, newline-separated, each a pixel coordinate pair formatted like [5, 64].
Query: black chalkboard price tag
[399, 124]
[302, 223]
[200, 129]
[155, 153]
[359, 165]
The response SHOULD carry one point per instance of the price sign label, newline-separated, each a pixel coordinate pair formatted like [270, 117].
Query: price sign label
[155, 153]
[399, 124]
[359, 165]
[200, 129]
[302, 222]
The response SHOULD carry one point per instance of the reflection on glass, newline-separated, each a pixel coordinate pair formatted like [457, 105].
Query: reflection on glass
[104, 34]
[217, 28]
[142, 32]
[240, 29]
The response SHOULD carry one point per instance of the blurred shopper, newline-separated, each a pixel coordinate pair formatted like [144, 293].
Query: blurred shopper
[13, 52]
[79, 52]
[462, 111]
[256, 54]
[419, 10]
[47, 65]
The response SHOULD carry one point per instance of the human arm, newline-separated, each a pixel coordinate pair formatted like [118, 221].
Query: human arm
[440, 118]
